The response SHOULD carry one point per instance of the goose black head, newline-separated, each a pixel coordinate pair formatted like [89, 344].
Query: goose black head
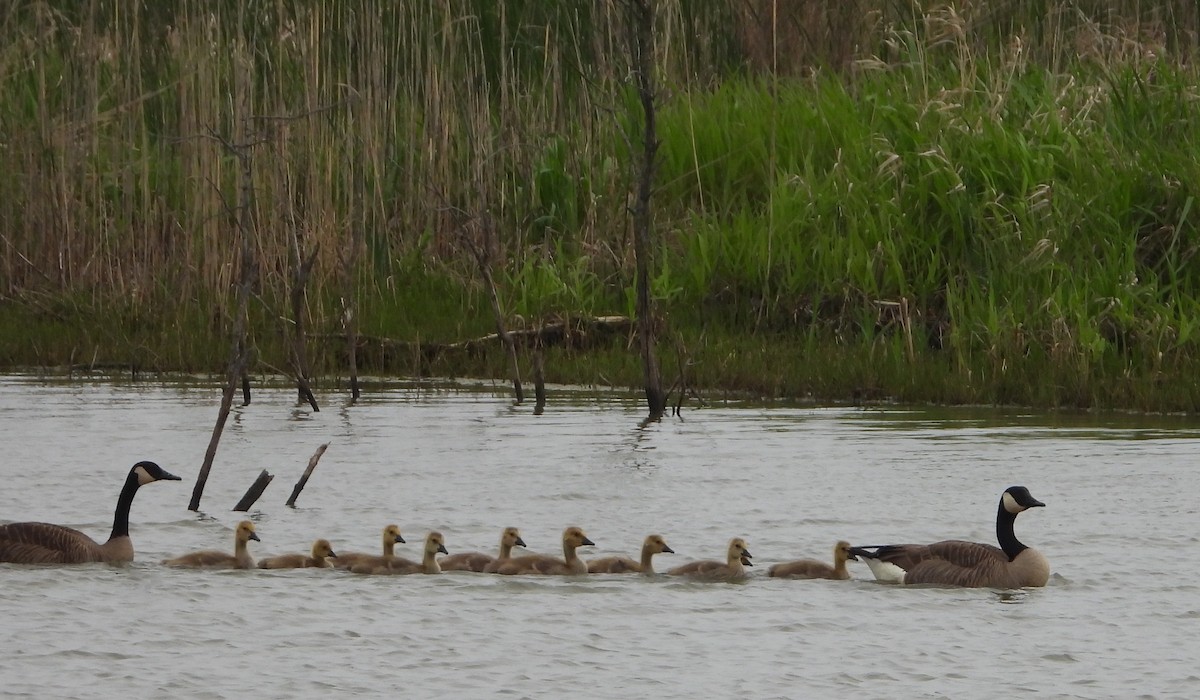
[1017, 499]
[147, 472]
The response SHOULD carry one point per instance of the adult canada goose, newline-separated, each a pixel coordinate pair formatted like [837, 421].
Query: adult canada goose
[653, 544]
[736, 559]
[572, 538]
[43, 543]
[391, 535]
[434, 544]
[216, 559]
[322, 551]
[476, 561]
[811, 568]
[961, 563]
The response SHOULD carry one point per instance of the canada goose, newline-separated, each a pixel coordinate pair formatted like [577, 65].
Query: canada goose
[216, 559]
[322, 551]
[570, 564]
[391, 535]
[811, 568]
[476, 561]
[434, 545]
[43, 543]
[737, 557]
[653, 544]
[961, 563]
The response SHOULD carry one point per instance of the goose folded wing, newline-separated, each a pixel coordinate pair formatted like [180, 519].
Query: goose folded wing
[960, 563]
[44, 543]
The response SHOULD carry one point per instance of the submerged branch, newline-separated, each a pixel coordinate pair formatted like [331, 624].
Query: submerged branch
[312, 464]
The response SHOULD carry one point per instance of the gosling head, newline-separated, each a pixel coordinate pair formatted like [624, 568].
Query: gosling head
[391, 533]
[841, 551]
[322, 548]
[575, 537]
[1017, 499]
[434, 542]
[657, 544]
[512, 537]
[245, 532]
[737, 547]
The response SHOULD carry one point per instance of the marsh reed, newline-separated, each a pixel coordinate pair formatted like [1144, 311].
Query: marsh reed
[997, 194]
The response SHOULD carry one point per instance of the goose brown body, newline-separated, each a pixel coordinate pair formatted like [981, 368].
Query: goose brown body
[963, 563]
[811, 568]
[544, 565]
[46, 543]
[391, 535]
[478, 561]
[434, 545]
[216, 559]
[737, 558]
[322, 552]
[653, 544]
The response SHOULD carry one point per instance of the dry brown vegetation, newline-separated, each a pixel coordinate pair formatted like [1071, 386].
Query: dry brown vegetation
[374, 126]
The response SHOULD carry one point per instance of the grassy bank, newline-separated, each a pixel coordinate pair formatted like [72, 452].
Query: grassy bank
[978, 205]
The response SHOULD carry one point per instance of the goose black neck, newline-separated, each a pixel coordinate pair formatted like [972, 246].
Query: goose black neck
[124, 501]
[1004, 532]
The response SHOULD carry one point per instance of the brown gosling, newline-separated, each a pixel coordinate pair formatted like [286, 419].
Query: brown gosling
[962, 563]
[322, 551]
[654, 544]
[391, 535]
[44, 543]
[541, 564]
[477, 561]
[738, 557]
[216, 559]
[811, 568]
[434, 545]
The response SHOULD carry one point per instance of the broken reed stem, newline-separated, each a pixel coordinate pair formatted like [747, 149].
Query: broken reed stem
[254, 492]
[300, 277]
[312, 464]
[485, 269]
[239, 355]
[539, 380]
[349, 262]
[681, 382]
[641, 40]
[245, 379]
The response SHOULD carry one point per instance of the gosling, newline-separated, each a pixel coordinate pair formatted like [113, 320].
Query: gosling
[322, 552]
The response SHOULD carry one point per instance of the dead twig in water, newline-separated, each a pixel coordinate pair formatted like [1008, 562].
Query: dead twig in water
[254, 492]
[312, 464]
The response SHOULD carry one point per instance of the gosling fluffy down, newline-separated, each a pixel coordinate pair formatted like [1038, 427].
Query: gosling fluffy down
[391, 535]
[216, 559]
[322, 552]
[737, 558]
[653, 544]
[478, 561]
[811, 568]
[540, 564]
[434, 545]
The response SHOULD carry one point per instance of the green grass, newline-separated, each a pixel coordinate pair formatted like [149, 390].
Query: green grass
[939, 217]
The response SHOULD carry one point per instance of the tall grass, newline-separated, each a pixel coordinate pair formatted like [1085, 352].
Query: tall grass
[999, 192]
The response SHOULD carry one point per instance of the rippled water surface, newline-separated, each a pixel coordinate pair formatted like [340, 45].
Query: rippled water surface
[1118, 620]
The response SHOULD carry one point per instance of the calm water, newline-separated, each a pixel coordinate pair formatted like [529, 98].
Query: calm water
[1119, 619]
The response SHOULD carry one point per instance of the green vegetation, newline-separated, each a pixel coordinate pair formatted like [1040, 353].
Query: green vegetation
[988, 204]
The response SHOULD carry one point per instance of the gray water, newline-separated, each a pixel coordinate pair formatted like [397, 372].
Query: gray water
[1118, 620]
